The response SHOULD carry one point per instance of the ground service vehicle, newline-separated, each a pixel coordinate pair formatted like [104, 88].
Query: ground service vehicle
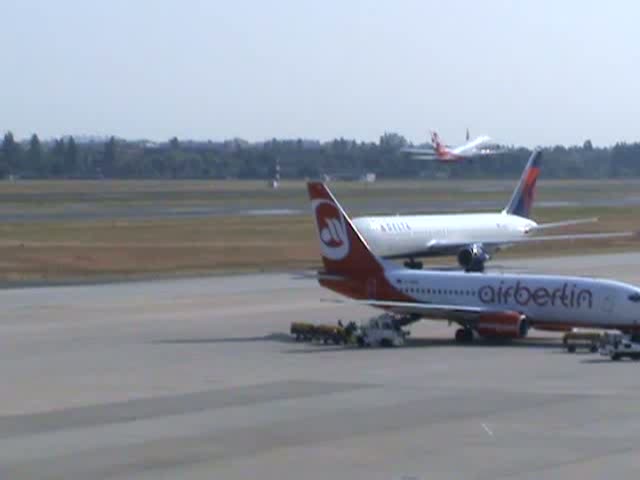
[582, 338]
[309, 332]
[620, 346]
[381, 331]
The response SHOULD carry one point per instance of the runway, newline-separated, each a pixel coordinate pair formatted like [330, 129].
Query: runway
[372, 206]
[198, 379]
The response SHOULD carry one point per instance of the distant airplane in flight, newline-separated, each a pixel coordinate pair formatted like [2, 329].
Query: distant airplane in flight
[481, 146]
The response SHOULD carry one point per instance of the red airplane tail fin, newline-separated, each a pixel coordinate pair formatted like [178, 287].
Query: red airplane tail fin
[437, 144]
[343, 249]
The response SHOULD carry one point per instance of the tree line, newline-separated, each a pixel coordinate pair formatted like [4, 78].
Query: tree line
[116, 158]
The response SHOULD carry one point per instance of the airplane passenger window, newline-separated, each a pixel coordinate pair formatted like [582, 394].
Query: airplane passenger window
[634, 297]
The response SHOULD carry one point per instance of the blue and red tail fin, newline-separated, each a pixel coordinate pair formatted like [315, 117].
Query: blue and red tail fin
[524, 194]
[344, 251]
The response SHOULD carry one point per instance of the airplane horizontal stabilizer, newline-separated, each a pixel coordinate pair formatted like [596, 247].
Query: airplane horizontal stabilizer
[579, 236]
[318, 276]
[566, 223]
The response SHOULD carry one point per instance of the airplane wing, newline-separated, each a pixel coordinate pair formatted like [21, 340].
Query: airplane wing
[576, 236]
[427, 310]
[548, 238]
[428, 158]
[422, 153]
[566, 223]
[438, 247]
[486, 152]
[453, 313]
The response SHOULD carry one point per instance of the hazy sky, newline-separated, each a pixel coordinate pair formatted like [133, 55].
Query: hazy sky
[525, 72]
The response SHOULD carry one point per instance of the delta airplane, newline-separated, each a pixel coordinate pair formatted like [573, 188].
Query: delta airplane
[478, 147]
[485, 304]
[472, 237]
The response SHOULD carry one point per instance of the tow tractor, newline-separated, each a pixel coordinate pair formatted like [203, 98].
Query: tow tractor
[382, 331]
[618, 346]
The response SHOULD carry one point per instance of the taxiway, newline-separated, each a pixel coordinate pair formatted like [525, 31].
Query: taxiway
[198, 378]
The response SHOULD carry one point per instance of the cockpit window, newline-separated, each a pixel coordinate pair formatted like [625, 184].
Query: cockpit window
[635, 297]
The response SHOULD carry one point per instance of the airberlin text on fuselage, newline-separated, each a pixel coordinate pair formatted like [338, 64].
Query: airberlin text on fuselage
[567, 296]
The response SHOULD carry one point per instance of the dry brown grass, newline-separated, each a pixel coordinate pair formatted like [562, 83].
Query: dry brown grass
[59, 250]
[89, 250]
[35, 251]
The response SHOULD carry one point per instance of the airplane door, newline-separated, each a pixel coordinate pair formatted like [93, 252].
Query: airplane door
[607, 303]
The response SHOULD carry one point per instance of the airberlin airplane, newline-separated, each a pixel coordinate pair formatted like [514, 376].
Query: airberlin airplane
[485, 304]
[481, 146]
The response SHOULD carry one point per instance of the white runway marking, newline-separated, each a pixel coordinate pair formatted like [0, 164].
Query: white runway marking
[487, 429]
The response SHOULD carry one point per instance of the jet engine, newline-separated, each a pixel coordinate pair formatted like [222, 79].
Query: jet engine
[472, 258]
[502, 325]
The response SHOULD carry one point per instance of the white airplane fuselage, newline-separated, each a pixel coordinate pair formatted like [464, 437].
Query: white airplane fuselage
[397, 236]
[472, 147]
[479, 146]
[544, 299]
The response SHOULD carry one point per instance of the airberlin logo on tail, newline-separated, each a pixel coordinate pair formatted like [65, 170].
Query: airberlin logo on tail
[334, 237]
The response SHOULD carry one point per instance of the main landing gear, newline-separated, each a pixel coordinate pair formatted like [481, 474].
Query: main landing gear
[464, 335]
[413, 264]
